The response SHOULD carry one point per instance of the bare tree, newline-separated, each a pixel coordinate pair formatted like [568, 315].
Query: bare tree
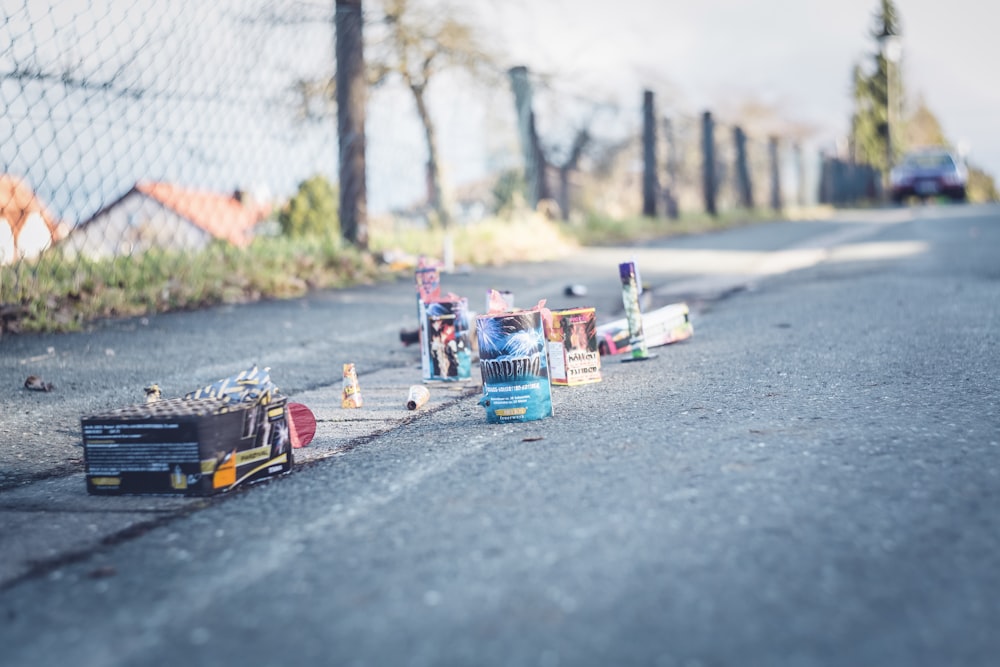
[418, 45]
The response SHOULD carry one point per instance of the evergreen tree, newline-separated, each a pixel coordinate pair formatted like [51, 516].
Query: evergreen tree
[870, 123]
[870, 130]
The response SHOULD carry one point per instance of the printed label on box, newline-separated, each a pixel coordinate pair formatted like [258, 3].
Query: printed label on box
[572, 346]
[446, 351]
[514, 366]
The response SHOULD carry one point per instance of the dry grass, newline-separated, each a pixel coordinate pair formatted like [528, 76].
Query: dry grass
[56, 294]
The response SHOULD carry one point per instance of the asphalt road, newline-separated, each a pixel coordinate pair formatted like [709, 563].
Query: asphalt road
[812, 479]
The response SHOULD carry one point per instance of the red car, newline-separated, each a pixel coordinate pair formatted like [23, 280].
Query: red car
[928, 173]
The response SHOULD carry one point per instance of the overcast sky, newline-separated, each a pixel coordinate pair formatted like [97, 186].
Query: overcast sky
[795, 55]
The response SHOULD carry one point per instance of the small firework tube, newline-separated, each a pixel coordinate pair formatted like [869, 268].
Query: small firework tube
[629, 275]
[417, 396]
[351, 395]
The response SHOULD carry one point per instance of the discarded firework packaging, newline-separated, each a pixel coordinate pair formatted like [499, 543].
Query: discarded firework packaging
[631, 286]
[498, 302]
[663, 326]
[417, 396]
[428, 280]
[351, 395]
[233, 432]
[445, 352]
[301, 424]
[571, 338]
[255, 384]
[514, 365]
[499, 298]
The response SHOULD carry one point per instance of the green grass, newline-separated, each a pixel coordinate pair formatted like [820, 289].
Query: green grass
[59, 294]
[54, 293]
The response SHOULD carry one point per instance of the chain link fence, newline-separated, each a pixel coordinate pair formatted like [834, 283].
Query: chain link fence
[183, 103]
[139, 125]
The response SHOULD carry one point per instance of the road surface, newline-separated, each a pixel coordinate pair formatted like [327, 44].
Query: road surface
[812, 479]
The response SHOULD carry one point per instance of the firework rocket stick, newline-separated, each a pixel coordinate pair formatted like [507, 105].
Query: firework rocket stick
[633, 314]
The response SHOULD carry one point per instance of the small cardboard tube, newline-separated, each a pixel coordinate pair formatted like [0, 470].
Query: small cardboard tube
[417, 397]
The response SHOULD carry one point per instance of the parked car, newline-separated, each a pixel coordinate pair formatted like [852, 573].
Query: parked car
[927, 173]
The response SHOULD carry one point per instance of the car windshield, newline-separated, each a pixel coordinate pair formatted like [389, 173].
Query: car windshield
[930, 161]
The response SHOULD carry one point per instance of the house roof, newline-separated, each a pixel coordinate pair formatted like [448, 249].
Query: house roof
[18, 201]
[223, 216]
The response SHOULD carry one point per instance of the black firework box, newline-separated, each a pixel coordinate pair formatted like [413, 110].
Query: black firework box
[571, 337]
[207, 442]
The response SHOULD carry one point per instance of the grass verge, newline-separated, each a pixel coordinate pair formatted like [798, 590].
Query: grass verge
[55, 293]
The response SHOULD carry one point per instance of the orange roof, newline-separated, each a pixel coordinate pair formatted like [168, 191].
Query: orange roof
[223, 216]
[17, 202]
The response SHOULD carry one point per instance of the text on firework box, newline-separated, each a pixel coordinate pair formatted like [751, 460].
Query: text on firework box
[571, 337]
[514, 366]
[186, 446]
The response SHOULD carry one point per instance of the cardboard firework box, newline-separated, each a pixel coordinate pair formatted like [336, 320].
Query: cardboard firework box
[514, 366]
[445, 348]
[663, 326]
[180, 446]
[234, 431]
[574, 358]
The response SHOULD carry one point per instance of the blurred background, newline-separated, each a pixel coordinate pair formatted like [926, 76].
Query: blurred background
[168, 155]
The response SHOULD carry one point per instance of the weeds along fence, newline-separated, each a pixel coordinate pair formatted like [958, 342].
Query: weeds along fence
[143, 143]
[144, 127]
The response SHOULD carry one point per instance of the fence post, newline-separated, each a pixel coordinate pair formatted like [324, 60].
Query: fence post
[351, 93]
[650, 186]
[742, 169]
[800, 174]
[670, 191]
[772, 150]
[534, 171]
[708, 161]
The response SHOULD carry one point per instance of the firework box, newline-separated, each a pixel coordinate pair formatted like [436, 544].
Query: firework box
[662, 326]
[514, 366]
[182, 446]
[571, 338]
[428, 280]
[445, 349]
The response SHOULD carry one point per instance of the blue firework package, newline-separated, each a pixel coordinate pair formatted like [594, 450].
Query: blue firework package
[514, 366]
[445, 347]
